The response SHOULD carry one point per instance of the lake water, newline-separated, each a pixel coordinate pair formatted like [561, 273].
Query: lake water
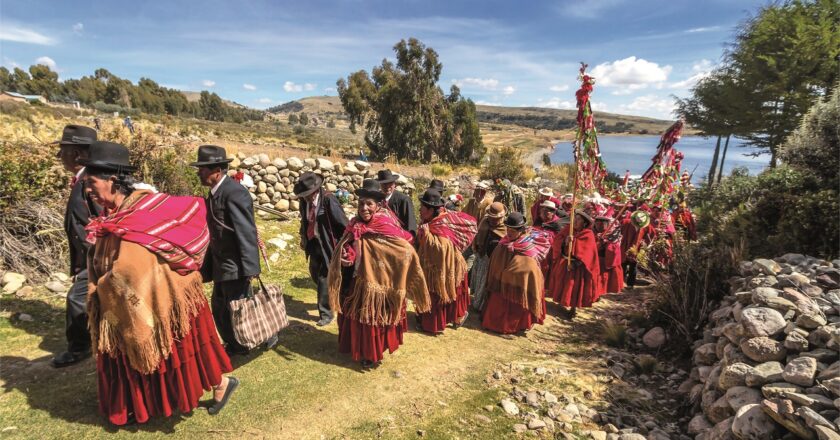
[633, 153]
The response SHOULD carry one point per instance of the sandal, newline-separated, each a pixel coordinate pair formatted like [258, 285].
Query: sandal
[218, 406]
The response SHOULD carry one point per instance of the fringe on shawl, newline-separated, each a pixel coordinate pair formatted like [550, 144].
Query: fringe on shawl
[146, 356]
[530, 297]
[443, 266]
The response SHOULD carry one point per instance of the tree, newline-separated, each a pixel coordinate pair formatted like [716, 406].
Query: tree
[211, 106]
[787, 57]
[303, 119]
[293, 119]
[404, 113]
[814, 147]
[43, 81]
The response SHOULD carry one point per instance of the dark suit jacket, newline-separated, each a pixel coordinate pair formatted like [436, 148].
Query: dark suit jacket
[77, 215]
[330, 225]
[233, 252]
[401, 205]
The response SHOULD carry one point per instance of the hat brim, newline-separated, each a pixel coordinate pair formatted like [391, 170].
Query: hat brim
[310, 191]
[206, 164]
[375, 195]
[388, 180]
[106, 165]
[519, 226]
[432, 205]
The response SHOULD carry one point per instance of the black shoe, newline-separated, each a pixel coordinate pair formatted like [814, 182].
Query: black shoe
[462, 321]
[69, 358]
[324, 321]
[218, 406]
[271, 342]
[366, 363]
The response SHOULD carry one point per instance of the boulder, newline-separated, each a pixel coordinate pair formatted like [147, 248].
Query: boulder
[264, 160]
[271, 169]
[698, 425]
[764, 373]
[777, 389]
[762, 321]
[801, 371]
[796, 342]
[811, 321]
[763, 349]
[722, 430]
[779, 414]
[12, 282]
[271, 179]
[654, 338]
[719, 410]
[362, 165]
[509, 407]
[751, 423]
[55, 287]
[324, 164]
[733, 375]
[294, 164]
[767, 267]
[261, 187]
[825, 433]
[812, 418]
[705, 354]
[739, 396]
[279, 163]
[282, 205]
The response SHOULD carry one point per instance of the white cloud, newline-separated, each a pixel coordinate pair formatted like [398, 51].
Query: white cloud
[702, 29]
[556, 103]
[10, 63]
[208, 83]
[630, 74]
[292, 87]
[649, 105]
[490, 103]
[46, 61]
[330, 89]
[78, 28]
[309, 87]
[701, 70]
[560, 88]
[589, 9]
[264, 100]
[481, 83]
[509, 90]
[11, 32]
[250, 87]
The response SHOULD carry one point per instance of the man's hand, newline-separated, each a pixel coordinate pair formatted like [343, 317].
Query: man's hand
[345, 258]
[302, 246]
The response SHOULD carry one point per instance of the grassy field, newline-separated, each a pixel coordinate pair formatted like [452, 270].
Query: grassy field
[434, 386]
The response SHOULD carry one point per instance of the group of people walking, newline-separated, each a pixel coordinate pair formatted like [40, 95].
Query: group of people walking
[139, 258]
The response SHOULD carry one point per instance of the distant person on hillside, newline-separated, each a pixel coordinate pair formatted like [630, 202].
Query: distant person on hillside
[128, 124]
[362, 156]
[322, 223]
[97, 123]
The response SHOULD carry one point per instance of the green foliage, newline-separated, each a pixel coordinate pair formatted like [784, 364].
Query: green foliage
[303, 119]
[331, 123]
[815, 145]
[405, 113]
[504, 163]
[614, 334]
[546, 159]
[441, 170]
[28, 172]
[293, 119]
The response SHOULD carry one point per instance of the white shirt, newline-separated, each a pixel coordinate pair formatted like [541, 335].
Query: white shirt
[388, 197]
[79, 174]
[217, 185]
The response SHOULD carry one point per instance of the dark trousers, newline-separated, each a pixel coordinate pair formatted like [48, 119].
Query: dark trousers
[76, 320]
[223, 293]
[629, 268]
[318, 269]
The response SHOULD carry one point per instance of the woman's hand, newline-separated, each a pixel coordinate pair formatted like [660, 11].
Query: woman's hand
[346, 261]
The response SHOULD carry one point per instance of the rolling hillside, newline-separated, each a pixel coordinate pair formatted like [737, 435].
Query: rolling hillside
[528, 117]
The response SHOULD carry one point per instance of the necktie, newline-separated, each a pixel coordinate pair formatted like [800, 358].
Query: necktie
[310, 229]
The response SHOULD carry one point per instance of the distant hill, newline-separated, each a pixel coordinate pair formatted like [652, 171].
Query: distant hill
[530, 117]
[195, 96]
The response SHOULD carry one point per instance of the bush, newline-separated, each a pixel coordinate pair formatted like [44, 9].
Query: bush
[504, 163]
[29, 172]
[615, 335]
[441, 170]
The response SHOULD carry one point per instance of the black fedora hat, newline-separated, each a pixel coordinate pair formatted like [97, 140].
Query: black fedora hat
[211, 155]
[77, 135]
[515, 220]
[370, 189]
[431, 197]
[307, 184]
[108, 156]
[386, 176]
[437, 185]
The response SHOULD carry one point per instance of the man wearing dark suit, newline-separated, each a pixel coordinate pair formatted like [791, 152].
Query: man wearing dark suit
[322, 223]
[233, 256]
[74, 144]
[399, 203]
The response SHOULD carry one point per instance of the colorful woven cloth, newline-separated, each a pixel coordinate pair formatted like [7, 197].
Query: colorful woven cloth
[173, 227]
[532, 243]
[460, 228]
[384, 222]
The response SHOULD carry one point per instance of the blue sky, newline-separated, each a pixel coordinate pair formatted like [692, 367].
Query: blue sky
[263, 53]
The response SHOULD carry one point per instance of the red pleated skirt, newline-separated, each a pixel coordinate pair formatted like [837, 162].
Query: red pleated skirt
[195, 365]
[507, 317]
[574, 288]
[441, 315]
[612, 280]
[369, 342]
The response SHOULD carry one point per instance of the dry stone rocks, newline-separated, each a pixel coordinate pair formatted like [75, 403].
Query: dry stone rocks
[751, 423]
[764, 349]
[762, 321]
[801, 371]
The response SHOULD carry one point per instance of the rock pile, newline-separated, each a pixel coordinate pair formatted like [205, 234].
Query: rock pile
[768, 363]
[274, 179]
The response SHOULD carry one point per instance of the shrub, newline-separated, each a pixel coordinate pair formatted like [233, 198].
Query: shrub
[29, 172]
[439, 170]
[504, 163]
[615, 335]
[646, 364]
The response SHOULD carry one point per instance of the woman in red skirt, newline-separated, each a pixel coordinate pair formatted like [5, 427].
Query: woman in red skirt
[515, 282]
[609, 255]
[441, 239]
[577, 283]
[157, 350]
[370, 278]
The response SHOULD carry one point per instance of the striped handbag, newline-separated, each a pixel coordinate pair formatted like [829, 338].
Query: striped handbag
[259, 316]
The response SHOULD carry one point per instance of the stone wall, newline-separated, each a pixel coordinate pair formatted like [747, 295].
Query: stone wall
[768, 363]
[274, 179]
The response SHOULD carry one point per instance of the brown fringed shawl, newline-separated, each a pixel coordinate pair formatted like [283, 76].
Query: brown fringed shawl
[440, 245]
[137, 303]
[518, 279]
[387, 272]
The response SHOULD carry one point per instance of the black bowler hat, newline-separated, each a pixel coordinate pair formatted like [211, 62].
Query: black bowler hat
[386, 176]
[77, 135]
[307, 184]
[515, 220]
[437, 185]
[370, 189]
[431, 198]
[108, 156]
[211, 155]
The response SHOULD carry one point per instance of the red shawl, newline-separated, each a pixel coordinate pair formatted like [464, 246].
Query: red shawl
[585, 250]
[383, 222]
[460, 228]
[173, 227]
[532, 243]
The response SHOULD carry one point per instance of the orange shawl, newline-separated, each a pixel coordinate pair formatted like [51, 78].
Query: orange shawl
[518, 279]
